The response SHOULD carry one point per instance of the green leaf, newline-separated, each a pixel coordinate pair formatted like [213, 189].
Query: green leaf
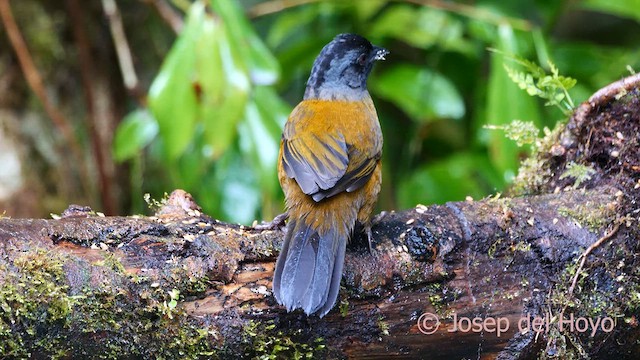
[505, 102]
[190, 168]
[623, 8]
[554, 88]
[136, 131]
[172, 95]
[365, 10]
[420, 92]
[237, 188]
[523, 80]
[263, 66]
[263, 123]
[421, 27]
[260, 133]
[453, 178]
[225, 88]
[291, 24]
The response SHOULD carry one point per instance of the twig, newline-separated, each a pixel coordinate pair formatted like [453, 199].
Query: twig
[602, 97]
[588, 251]
[33, 77]
[273, 6]
[168, 14]
[612, 90]
[125, 60]
[98, 143]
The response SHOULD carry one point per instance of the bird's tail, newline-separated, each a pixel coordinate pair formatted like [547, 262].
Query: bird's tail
[309, 269]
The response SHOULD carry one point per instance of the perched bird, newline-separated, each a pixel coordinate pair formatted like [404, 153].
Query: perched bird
[329, 170]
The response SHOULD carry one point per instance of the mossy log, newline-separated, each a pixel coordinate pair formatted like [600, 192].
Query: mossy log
[549, 270]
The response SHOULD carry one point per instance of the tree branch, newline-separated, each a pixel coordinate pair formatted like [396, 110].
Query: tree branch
[491, 279]
[123, 50]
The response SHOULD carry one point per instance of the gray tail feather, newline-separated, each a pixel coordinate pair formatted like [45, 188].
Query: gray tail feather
[309, 269]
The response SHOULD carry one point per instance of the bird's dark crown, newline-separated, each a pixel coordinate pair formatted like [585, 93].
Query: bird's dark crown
[342, 68]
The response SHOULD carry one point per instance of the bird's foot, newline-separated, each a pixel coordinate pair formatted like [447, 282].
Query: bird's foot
[367, 230]
[277, 223]
[376, 219]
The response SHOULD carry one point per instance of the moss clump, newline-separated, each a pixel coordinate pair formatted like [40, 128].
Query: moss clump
[154, 204]
[493, 248]
[535, 171]
[188, 278]
[532, 175]
[263, 341]
[593, 217]
[344, 308]
[150, 325]
[629, 289]
[383, 326]
[597, 294]
[563, 346]
[111, 262]
[34, 300]
[579, 172]
[42, 315]
[440, 296]
[522, 132]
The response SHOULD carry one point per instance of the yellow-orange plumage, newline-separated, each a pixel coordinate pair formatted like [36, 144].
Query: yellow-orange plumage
[329, 170]
[358, 123]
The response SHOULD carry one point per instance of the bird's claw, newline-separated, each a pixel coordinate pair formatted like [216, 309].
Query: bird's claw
[277, 223]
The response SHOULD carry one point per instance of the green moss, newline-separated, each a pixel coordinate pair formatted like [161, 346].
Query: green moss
[494, 247]
[561, 346]
[589, 299]
[42, 315]
[521, 246]
[34, 299]
[579, 172]
[437, 298]
[522, 132]
[156, 319]
[593, 216]
[631, 292]
[535, 171]
[532, 175]
[111, 262]
[545, 144]
[383, 326]
[193, 285]
[344, 308]
[263, 341]
[154, 204]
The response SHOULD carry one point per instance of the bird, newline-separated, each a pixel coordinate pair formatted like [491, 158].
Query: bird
[330, 172]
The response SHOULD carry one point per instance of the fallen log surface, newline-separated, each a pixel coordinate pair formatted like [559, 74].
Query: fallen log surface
[549, 270]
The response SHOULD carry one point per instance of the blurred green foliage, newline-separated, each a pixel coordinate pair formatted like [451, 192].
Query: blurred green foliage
[218, 119]
[218, 103]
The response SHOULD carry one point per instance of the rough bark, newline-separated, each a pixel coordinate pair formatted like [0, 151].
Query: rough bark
[181, 284]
